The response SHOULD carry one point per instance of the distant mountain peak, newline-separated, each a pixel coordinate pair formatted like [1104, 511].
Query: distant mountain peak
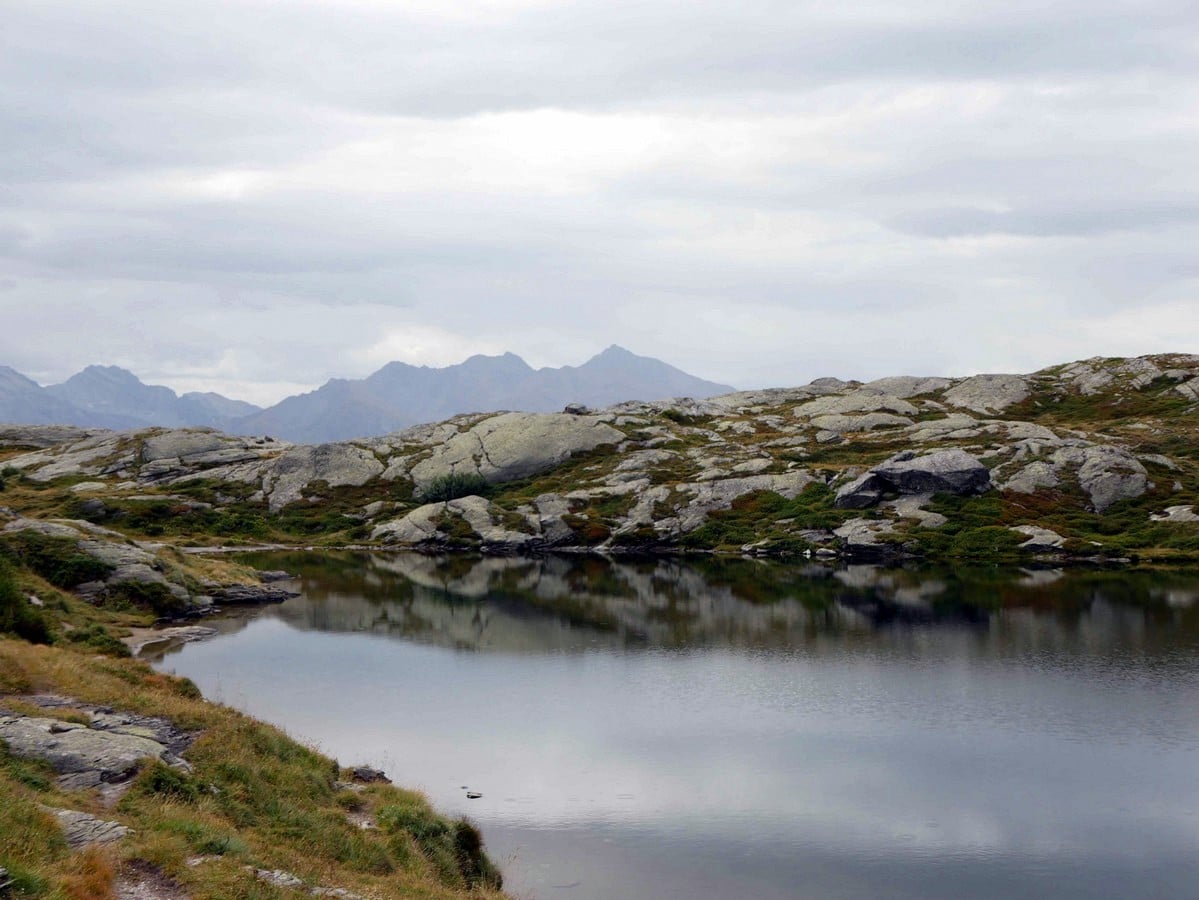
[400, 395]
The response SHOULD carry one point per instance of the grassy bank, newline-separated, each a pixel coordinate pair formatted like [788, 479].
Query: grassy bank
[255, 799]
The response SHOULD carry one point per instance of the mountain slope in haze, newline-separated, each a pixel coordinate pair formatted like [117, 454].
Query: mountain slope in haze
[115, 394]
[111, 397]
[24, 401]
[399, 395]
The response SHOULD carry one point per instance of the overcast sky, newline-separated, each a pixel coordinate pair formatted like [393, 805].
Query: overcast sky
[252, 196]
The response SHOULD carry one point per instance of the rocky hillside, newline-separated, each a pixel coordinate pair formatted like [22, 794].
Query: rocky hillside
[1097, 458]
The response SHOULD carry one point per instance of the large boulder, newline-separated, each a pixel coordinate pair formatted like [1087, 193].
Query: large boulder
[1107, 474]
[338, 465]
[945, 471]
[988, 393]
[949, 471]
[514, 445]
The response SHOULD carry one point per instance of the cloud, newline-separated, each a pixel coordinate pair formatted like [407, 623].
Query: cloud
[759, 192]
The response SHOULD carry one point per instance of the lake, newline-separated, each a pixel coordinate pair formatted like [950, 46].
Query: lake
[746, 729]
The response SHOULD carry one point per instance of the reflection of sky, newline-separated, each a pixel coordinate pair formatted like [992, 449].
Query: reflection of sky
[923, 750]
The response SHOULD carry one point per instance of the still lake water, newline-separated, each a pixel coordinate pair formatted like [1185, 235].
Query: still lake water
[750, 730]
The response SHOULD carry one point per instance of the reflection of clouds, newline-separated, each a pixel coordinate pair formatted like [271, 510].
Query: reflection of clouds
[769, 728]
[849, 752]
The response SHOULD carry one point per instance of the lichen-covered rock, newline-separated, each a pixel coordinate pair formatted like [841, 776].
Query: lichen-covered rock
[338, 465]
[841, 424]
[74, 749]
[484, 520]
[905, 386]
[1031, 478]
[988, 393]
[515, 445]
[856, 402]
[1107, 474]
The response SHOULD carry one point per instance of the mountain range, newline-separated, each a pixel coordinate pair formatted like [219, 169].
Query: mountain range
[396, 396]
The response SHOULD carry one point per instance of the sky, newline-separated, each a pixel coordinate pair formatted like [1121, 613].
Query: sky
[253, 196]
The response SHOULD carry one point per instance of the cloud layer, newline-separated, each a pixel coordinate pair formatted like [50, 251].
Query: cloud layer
[253, 196]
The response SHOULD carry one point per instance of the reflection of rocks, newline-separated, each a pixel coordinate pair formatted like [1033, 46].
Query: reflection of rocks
[522, 605]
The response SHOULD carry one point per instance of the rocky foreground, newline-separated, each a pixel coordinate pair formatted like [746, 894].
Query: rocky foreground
[1094, 458]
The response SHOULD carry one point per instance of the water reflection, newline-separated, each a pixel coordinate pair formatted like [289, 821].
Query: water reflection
[659, 729]
[557, 604]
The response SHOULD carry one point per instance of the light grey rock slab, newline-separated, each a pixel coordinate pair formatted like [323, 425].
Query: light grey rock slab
[1107, 474]
[855, 402]
[338, 465]
[863, 491]
[863, 535]
[952, 426]
[72, 749]
[905, 386]
[89, 487]
[1031, 478]
[912, 507]
[1184, 513]
[1039, 539]
[710, 496]
[842, 424]
[84, 830]
[988, 393]
[515, 445]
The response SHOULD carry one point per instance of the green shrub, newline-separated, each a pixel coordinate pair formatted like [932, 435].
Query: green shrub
[58, 560]
[147, 595]
[454, 848]
[17, 615]
[986, 542]
[100, 639]
[453, 486]
[159, 780]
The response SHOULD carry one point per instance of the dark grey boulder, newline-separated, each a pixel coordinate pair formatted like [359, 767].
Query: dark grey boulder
[948, 471]
[865, 490]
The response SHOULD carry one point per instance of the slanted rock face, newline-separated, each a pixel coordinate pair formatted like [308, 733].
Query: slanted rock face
[988, 393]
[181, 443]
[515, 445]
[856, 402]
[840, 424]
[904, 386]
[339, 465]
